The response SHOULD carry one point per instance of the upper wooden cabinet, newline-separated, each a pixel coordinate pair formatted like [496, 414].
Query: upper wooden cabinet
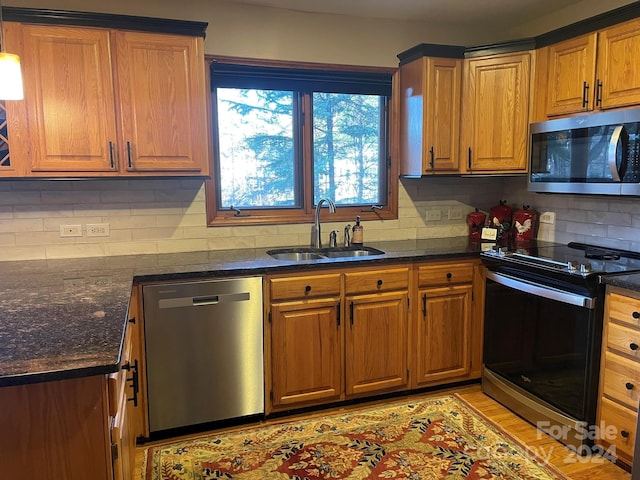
[594, 71]
[430, 115]
[495, 114]
[102, 102]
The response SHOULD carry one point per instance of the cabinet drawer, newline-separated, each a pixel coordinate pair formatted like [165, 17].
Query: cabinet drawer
[624, 421]
[621, 379]
[305, 287]
[624, 309]
[377, 280]
[624, 340]
[453, 273]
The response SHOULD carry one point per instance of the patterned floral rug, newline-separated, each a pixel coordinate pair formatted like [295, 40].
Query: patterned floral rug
[432, 438]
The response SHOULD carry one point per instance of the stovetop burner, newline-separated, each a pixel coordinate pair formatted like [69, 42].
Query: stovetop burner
[574, 259]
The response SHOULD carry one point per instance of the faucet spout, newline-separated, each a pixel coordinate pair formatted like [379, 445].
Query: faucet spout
[317, 239]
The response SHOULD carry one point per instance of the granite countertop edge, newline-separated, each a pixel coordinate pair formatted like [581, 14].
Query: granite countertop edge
[65, 319]
[629, 281]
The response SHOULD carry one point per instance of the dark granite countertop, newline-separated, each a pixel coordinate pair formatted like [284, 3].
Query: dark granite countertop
[629, 281]
[66, 318]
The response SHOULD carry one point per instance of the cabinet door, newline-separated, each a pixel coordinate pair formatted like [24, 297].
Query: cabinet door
[443, 334]
[69, 95]
[618, 69]
[430, 118]
[163, 106]
[123, 441]
[306, 346]
[495, 114]
[572, 71]
[376, 342]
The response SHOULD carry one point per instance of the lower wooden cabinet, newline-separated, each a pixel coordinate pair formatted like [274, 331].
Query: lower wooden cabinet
[73, 429]
[620, 374]
[334, 335]
[376, 342]
[307, 358]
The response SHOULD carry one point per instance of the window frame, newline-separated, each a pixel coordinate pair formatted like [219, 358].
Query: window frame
[304, 214]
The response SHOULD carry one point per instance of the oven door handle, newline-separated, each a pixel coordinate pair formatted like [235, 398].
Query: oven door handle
[542, 290]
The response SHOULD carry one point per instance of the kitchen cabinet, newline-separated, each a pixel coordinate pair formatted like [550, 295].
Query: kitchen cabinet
[75, 428]
[443, 327]
[430, 115]
[495, 114]
[101, 102]
[333, 335]
[376, 337]
[620, 373]
[593, 71]
[306, 339]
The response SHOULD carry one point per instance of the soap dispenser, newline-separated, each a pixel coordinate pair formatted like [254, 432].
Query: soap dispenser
[358, 233]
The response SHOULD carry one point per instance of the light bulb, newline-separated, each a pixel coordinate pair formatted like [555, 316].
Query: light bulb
[10, 77]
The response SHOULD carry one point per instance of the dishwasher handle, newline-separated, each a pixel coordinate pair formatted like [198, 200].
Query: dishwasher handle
[204, 300]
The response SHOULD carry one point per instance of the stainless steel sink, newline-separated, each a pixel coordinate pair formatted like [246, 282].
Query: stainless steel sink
[352, 252]
[296, 256]
[301, 254]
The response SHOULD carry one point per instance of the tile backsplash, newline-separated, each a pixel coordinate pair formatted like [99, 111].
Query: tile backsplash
[168, 215]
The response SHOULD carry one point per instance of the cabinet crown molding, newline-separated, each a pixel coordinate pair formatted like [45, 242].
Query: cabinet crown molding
[104, 20]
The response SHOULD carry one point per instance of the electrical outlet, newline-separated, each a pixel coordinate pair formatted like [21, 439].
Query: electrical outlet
[455, 213]
[434, 215]
[548, 217]
[98, 230]
[70, 230]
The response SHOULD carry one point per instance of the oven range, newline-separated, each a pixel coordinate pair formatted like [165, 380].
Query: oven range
[542, 333]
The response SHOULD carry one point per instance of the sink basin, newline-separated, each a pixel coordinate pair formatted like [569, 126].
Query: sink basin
[301, 254]
[352, 252]
[295, 254]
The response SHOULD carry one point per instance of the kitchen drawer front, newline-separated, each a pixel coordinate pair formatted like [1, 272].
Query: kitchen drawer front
[310, 286]
[621, 379]
[624, 310]
[624, 421]
[377, 280]
[454, 273]
[624, 340]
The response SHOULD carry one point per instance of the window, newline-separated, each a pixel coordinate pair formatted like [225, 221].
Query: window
[286, 137]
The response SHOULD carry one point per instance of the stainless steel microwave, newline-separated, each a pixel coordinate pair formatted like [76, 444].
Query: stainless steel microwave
[593, 154]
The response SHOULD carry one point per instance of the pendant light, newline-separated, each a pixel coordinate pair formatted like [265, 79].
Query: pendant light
[10, 73]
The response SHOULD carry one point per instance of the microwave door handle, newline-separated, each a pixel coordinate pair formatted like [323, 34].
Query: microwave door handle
[613, 149]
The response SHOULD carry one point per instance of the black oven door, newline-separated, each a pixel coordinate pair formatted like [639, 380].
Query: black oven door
[545, 340]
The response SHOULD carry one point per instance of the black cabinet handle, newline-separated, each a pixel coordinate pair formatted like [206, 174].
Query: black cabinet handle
[624, 434]
[469, 159]
[338, 312]
[636, 315]
[449, 275]
[129, 161]
[585, 94]
[135, 381]
[628, 386]
[598, 93]
[424, 305]
[351, 312]
[432, 154]
[307, 288]
[379, 283]
[111, 158]
[633, 346]
[132, 320]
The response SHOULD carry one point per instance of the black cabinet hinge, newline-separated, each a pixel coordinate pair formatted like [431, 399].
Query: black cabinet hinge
[114, 452]
[269, 316]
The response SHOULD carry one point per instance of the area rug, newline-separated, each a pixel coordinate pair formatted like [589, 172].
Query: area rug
[431, 438]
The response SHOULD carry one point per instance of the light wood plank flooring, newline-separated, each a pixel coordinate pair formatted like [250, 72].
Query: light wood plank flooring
[558, 455]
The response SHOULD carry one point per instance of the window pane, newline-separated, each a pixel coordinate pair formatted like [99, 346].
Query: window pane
[256, 148]
[347, 141]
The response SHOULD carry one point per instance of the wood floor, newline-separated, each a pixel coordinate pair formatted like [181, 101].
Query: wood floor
[558, 455]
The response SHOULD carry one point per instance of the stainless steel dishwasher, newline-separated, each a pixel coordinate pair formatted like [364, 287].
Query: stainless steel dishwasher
[204, 351]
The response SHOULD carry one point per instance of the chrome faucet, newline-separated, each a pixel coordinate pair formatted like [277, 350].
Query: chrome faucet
[347, 235]
[317, 239]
